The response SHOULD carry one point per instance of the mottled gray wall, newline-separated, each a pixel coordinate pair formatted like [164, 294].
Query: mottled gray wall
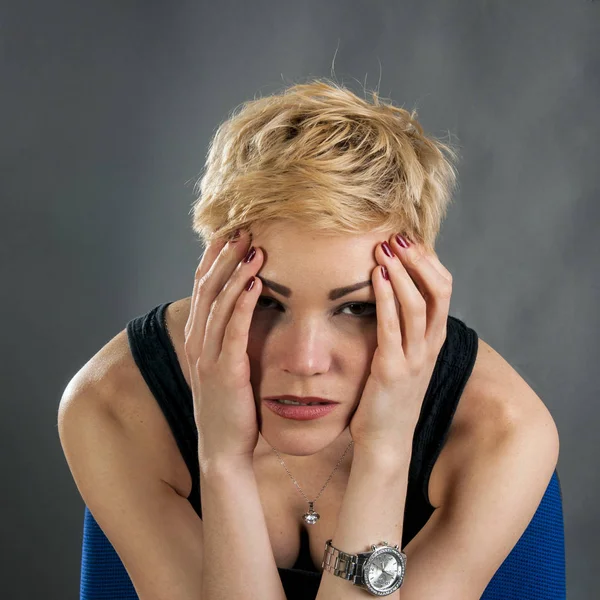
[107, 110]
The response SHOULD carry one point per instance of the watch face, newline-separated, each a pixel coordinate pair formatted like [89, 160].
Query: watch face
[384, 572]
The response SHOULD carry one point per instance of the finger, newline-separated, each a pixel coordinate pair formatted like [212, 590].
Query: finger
[208, 258]
[223, 306]
[389, 332]
[434, 283]
[432, 257]
[235, 339]
[413, 310]
[209, 274]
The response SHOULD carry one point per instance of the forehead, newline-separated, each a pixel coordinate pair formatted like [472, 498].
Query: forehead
[291, 237]
[306, 261]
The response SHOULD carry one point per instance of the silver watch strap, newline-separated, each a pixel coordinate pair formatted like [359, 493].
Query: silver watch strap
[338, 562]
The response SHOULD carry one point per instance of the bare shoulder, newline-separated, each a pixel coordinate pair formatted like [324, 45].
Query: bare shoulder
[495, 402]
[496, 395]
[110, 384]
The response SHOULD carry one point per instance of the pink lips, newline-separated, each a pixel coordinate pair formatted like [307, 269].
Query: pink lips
[300, 413]
[303, 400]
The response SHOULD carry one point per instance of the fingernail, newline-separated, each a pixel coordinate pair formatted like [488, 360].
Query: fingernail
[235, 235]
[250, 254]
[402, 241]
[387, 249]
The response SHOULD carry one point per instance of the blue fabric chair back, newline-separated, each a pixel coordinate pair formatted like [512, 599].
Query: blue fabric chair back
[535, 567]
[534, 570]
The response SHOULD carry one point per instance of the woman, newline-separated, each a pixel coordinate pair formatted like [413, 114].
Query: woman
[432, 453]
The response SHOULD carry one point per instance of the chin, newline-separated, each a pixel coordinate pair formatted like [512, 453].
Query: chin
[300, 441]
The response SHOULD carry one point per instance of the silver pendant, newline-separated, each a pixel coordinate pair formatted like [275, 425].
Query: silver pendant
[311, 517]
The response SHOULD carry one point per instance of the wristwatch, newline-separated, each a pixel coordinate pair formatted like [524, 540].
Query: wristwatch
[380, 571]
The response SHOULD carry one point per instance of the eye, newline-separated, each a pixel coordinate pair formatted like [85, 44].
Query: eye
[267, 299]
[364, 306]
[366, 309]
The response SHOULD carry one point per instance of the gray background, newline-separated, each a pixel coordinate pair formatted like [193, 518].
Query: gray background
[107, 109]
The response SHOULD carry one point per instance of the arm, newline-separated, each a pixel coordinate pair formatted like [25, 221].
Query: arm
[372, 511]
[122, 465]
[120, 468]
[238, 557]
[505, 467]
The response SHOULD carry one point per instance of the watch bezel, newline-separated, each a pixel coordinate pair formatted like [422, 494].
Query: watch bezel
[400, 557]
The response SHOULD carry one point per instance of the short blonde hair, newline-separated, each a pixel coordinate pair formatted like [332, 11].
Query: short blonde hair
[318, 155]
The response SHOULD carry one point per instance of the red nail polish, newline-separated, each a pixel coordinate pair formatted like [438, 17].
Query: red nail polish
[387, 249]
[402, 241]
[250, 255]
[385, 273]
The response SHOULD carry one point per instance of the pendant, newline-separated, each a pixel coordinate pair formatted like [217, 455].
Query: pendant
[311, 517]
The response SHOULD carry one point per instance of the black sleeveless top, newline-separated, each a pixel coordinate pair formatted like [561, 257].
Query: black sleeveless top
[155, 356]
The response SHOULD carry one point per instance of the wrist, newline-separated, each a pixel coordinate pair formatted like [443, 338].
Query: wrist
[382, 460]
[225, 465]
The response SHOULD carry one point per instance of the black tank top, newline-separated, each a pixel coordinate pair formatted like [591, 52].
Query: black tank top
[155, 356]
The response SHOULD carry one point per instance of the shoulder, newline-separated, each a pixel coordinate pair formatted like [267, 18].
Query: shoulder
[107, 375]
[496, 396]
[112, 372]
[110, 386]
[496, 405]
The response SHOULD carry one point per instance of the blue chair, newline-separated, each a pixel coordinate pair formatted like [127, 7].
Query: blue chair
[534, 570]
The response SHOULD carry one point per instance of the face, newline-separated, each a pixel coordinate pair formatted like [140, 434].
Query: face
[304, 343]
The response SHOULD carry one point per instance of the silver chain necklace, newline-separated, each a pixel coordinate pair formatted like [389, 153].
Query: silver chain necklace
[311, 517]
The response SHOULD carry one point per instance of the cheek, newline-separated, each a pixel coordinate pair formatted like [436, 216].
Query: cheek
[359, 351]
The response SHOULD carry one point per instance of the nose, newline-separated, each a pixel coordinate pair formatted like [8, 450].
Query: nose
[304, 350]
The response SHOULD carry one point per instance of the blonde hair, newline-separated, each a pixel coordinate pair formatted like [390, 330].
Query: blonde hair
[318, 155]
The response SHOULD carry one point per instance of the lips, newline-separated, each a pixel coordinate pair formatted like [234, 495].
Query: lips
[302, 400]
[300, 412]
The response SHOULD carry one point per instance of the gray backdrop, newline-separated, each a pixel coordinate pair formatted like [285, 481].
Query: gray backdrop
[107, 111]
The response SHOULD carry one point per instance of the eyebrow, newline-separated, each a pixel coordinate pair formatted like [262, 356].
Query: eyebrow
[334, 294]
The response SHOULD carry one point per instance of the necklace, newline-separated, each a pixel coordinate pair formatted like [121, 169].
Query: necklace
[311, 517]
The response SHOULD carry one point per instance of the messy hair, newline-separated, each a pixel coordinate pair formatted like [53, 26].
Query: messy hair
[318, 155]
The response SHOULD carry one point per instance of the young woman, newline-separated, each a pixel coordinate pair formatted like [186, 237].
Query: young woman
[189, 435]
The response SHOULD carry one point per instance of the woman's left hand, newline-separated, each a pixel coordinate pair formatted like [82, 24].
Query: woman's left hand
[412, 312]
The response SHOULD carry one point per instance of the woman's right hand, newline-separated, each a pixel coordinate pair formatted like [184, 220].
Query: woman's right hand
[216, 339]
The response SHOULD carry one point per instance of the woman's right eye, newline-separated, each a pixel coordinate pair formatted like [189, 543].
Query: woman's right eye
[267, 299]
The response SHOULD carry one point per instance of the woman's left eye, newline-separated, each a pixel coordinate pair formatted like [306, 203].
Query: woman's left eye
[367, 309]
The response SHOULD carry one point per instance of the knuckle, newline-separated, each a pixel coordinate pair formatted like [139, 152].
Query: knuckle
[200, 285]
[418, 360]
[190, 351]
[412, 259]
[215, 307]
[419, 307]
[202, 368]
[445, 290]
[439, 339]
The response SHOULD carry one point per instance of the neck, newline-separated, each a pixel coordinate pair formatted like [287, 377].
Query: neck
[327, 457]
